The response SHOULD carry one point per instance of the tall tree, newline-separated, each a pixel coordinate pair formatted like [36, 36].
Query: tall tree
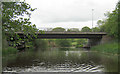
[63, 42]
[86, 29]
[73, 30]
[13, 16]
[95, 29]
[118, 6]
[16, 18]
[110, 24]
[58, 29]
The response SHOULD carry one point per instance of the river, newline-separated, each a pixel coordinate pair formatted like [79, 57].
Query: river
[60, 60]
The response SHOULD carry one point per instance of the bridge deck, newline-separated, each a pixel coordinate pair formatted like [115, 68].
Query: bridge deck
[52, 32]
[53, 35]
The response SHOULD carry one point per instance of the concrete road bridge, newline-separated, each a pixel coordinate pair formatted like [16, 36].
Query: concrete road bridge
[94, 38]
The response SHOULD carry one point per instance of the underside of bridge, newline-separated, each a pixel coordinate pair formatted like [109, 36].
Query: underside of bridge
[94, 38]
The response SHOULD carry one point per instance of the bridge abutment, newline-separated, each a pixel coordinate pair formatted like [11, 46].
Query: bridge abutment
[93, 41]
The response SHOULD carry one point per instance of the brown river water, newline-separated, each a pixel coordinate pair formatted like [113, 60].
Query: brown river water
[60, 60]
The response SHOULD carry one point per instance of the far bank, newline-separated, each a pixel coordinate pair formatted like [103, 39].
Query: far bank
[108, 45]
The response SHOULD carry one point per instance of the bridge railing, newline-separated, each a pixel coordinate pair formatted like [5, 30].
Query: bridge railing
[65, 32]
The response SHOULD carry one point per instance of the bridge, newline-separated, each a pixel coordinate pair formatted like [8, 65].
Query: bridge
[61, 35]
[94, 38]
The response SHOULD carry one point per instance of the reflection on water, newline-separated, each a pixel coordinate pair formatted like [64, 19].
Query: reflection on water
[56, 60]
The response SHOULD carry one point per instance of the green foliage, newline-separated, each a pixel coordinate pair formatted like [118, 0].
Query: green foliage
[4, 42]
[102, 28]
[78, 46]
[110, 24]
[95, 29]
[107, 48]
[40, 44]
[58, 29]
[81, 42]
[63, 42]
[12, 16]
[86, 29]
[100, 22]
[51, 42]
[74, 43]
[73, 30]
[16, 18]
[8, 51]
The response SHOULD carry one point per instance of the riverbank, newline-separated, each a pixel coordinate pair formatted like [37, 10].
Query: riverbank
[8, 51]
[108, 48]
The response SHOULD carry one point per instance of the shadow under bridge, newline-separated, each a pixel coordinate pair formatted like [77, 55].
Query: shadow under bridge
[94, 38]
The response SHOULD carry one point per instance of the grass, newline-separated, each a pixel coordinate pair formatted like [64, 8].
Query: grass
[74, 43]
[111, 48]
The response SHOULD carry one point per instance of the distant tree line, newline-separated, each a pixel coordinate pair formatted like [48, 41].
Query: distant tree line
[111, 23]
[84, 29]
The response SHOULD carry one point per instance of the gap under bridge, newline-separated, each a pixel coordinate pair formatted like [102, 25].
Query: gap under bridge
[94, 38]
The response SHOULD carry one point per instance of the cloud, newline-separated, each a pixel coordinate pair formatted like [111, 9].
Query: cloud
[57, 11]
[67, 25]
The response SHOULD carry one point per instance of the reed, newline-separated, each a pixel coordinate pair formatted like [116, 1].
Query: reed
[111, 48]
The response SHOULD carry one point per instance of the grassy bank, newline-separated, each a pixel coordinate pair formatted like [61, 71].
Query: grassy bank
[111, 48]
[37, 44]
[9, 50]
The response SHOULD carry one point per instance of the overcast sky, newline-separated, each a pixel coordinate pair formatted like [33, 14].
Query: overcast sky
[69, 13]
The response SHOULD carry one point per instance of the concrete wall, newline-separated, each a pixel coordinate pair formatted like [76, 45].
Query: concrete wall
[106, 39]
[93, 41]
[97, 41]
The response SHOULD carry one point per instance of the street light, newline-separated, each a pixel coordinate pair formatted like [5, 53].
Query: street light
[92, 19]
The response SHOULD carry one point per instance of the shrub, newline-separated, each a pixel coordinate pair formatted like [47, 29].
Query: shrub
[9, 50]
[63, 42]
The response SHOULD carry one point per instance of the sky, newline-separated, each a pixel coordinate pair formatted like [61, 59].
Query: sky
[69, 13]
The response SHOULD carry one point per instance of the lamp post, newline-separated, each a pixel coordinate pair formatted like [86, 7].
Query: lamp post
[92, 19]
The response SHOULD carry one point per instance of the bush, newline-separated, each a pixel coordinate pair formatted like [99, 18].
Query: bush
[107, 48]
[63, 42]
[9, 50]
[40, 44]
[78, 46]
[81, 42]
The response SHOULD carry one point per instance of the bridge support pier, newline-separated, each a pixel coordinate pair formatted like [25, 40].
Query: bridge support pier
[93, 41]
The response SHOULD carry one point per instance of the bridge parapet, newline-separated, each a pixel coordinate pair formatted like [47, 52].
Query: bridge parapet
[47, 34]
[52, 32]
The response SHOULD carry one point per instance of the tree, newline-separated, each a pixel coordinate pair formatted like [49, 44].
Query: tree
[73, 30]
[58, 29]
[99, 22]
[102, 28]
[86, 29]
[81, 43]
[13, 16]
[49, 29]
[95, 29]
[40, 44]
[14, 20]
[110, 24]
[63, 43]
